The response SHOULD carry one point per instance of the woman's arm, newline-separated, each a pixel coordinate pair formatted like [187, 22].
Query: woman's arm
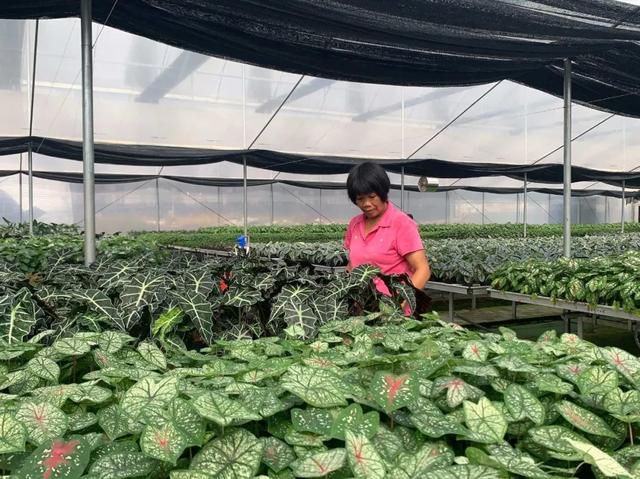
[420, 266]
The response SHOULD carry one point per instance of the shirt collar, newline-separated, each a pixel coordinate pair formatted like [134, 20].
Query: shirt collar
[385, 221]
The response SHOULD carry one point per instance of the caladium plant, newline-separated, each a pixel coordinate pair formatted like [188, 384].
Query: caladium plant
[438, 401]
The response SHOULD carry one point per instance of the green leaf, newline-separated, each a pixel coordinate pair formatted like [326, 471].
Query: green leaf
[147, 394]
[114, 421]
[457, 390]
[277, 455]
[19, 320]
[521, 404]
[430, 421]
[164, 441]
[317, 387]
[555, 439]
[122, 465]
[622, 403]
[364, 460]
[392, 392]
[320, 464]
[223, 410]
[470, 471]
[152, 354]
[12, 434]
[317, 421]
[111, 341]
[584, 419]
[80, 419]
[485, 420]
[90, 392]
[42, 421]
[44, 368]
[234, 456]
[387, 444]
[603, 461]
[98, 302]
[198, 308]
[552, 383]
[184, 417]
[57, 459]
[626, 364]
[351, 418]
[419, 465]
[516, 461]
[71, 347]
[597, 380]
[241, 297]
[475, 351]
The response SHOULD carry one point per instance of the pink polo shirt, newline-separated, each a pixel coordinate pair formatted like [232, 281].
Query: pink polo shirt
[395, 236]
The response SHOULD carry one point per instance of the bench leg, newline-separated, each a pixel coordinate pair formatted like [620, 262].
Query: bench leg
[451, 307]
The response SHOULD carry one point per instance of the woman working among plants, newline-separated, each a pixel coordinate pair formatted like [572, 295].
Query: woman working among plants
[382, 235]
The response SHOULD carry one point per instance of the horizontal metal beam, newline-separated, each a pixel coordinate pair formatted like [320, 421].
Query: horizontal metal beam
[561, 304]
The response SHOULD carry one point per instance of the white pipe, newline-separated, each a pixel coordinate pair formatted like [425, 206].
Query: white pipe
[524, 208]
[567, 160]
[622, 209]
[87, 135]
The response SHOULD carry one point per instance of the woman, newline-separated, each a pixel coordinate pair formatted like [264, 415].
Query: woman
[382, 235]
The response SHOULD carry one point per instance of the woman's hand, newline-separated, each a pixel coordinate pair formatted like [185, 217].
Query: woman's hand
[420, 267]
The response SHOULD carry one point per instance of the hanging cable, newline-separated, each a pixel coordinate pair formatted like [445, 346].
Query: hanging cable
[305, 203]
[204, 205]
[117, 199]
[472, 205]
[456, 118]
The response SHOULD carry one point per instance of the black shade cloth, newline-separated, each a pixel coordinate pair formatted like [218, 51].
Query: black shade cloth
[148, 155]
[109, 179]
[407, 42]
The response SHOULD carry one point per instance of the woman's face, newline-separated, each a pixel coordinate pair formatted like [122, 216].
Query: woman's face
[371, 205]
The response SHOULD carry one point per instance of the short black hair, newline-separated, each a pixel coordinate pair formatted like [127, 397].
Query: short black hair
[367, 178]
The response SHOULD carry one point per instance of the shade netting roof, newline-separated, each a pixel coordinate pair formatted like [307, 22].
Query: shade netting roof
[469, 86]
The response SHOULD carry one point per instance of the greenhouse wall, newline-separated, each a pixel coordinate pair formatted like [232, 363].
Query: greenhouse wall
[134, 206]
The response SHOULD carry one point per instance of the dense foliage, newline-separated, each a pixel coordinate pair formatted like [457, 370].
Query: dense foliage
[471, 261]
[613, 281]
[21, 230]
[199, 301]
[150, 365]
[399, 400]
[224, 237]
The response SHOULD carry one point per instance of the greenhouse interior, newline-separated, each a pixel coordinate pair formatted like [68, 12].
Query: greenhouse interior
[204, 272]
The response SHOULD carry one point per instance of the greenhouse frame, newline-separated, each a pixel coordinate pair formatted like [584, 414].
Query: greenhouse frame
[180, 174]
[340, 239]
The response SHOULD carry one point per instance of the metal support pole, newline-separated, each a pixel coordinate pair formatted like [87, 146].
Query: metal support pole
[446, 207]
[30, 183]
[157, 204]
[244, 187]
[451, 310]
[30, 157]
[567, 159]
[272, 206]
[20, 187]
[483, 207]
[524, 208]
[402, 149]
[87, 135]
[622, 209]
[402, 188]
[245, 208]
